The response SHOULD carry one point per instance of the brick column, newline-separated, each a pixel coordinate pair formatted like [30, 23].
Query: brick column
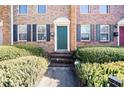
[73, 22]
[5, 15]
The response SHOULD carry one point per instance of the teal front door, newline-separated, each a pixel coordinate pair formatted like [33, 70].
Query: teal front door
[62, 41]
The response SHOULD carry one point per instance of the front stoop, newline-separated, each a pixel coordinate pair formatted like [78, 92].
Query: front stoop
[61, 59]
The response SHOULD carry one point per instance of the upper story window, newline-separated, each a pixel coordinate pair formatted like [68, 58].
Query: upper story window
[85, 32]
[104, 9]
[104, 33]
[22, 30]
[41, 32]
[41, 9]
[22, 9]
[84, 9]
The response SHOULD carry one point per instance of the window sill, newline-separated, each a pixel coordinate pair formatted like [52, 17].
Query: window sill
[104, 13]
[84, 13]
[22, 14]
[85, 41]
[104, 41]
[41, 14]
[40, 41]
[22, 40]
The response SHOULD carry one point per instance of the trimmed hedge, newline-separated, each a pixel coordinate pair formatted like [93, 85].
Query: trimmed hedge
[100, 54]
[23, 71]
[96, 75]
[33, 49]
[11, 52]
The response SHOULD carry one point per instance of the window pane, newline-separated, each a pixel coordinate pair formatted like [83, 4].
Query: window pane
[41, 32]
[41, 36]
[85, 32]
[22, 32]
[41, 29]
[85, 29]
[22, 36]
[41, 8]
[104, 37]
[104, 28]
[85, 36]
[84, 9]
[104, 32]
[103, 9]
[22, 29]
[22, 9]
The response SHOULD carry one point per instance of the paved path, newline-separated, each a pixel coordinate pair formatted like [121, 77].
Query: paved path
[59, 77]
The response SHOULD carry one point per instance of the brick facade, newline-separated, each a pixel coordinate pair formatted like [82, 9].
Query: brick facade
[73, 19]
[71, 12]
[115, 14]
[5, 17]
[33, 17]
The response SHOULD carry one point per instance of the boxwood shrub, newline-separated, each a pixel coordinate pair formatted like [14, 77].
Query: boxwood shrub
[23, 71]
[96, 75]
[11, 52]
[33, 49]
[100, 54]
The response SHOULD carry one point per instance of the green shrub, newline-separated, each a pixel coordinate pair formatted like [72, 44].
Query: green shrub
[33, 49]
[11, 52]
[100, 54]
[23, 71]
[96, 75]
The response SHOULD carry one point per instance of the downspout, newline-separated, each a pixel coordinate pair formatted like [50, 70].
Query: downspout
[11, 25]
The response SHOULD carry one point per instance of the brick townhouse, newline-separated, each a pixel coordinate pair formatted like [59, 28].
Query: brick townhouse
[64, 27]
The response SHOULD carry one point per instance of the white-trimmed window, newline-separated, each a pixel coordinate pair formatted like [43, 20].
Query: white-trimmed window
[84, 9]
[104, 9]
[22, 32]
[41, 9]
[104, 33]
[41, 33]
[85, 32]
[22, 9]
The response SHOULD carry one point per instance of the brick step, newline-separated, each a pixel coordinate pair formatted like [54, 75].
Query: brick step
[61, 60]
[61, 55]
[61, 65]
[58, 59]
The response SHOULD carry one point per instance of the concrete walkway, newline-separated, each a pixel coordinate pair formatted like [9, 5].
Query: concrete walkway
[59, 77]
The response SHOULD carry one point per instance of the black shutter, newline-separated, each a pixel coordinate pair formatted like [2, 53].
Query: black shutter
[48, 32]
[78, 32]
[92, 32]
[28, 32]
[111, 32]
[98, 32]
[15, 32]
[34, 32]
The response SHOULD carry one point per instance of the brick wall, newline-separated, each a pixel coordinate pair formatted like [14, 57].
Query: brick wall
[73, 14]
[115, 14]
[73, 20]
[5, 16]
[33, 17]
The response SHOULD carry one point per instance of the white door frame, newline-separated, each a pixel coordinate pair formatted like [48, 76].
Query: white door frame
[62, 22]
[120, 23]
